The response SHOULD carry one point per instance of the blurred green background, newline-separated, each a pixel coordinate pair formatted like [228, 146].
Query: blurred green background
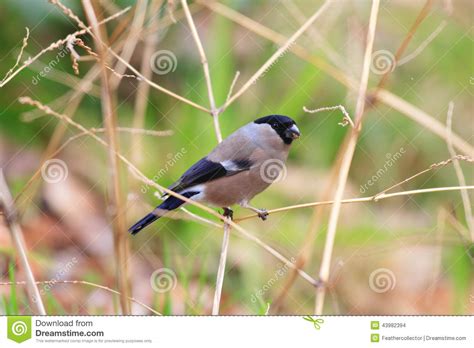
[418, 239]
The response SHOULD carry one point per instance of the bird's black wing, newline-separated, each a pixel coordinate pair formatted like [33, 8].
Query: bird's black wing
[205, 170]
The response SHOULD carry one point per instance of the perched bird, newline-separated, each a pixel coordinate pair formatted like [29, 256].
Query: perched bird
[234, 172]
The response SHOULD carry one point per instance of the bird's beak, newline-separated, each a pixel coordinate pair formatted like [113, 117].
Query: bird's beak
[293, 132]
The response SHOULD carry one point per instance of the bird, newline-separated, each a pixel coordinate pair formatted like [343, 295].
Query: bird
[238, 168]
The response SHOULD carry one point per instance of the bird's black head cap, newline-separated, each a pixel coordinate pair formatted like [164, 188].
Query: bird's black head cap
[283, 125]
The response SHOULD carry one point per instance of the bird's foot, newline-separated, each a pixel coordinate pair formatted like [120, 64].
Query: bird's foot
[228, 213]
[262, 214]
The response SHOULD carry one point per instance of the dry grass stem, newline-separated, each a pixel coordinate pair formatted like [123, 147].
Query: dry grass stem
[424, 120]
[221, 270]
[205, 66]
[131, 41]
[346, 162]
[56, 45]
[20, 54]
[232, 85]
[398, 54]
[117, 206]
[10, 218]
[423, 45]
[84, 282]
[143, 89]
[457, 167]
[431, 167]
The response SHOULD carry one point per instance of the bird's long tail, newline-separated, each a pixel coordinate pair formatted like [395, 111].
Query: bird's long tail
[169, 204]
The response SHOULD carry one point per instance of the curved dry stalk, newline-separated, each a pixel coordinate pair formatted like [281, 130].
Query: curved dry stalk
[431, 167]
[23, 46]
[140, 176]
[10, 217]
[423, 45]
[346, 162]
[84, 282]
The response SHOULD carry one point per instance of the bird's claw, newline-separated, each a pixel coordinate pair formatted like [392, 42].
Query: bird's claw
[262, 214]
[228, 213]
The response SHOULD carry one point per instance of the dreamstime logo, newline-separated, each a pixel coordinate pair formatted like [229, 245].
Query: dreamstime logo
[163, 62]
[54, 171]
[383, 61]
[273, 170]
[19, 328]
[382, 280]
[163, 280]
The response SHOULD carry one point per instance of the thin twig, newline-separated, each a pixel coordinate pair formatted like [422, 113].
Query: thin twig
[423, 45]
[374, 198]
[457, 167]
[221, 270]
[346, 163]
[205, 66]
[232, 85]
[10, 217]
[84, 282]
[23, 46]
[345, 120]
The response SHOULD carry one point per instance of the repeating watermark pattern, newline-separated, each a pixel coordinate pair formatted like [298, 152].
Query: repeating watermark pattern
[172, 160]
[471, 80]
[382, 280]
[279, 273]
[54, 171]
[383, 61]
[163, 280]
[163, 62]
[63, 51]
[273, 170]
[391, 159]
[63, 271]
[19, 328]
